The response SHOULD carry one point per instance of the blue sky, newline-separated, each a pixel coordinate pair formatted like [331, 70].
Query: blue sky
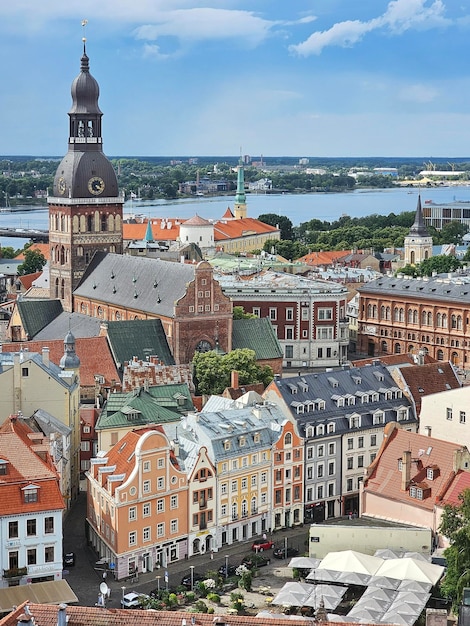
[213, 77]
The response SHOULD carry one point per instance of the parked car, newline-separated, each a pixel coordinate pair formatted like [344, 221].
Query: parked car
[262, 544]
[255, 560]
[69, 559]
[133, 600]
[232, 569]
[186, 580]
[280, 553]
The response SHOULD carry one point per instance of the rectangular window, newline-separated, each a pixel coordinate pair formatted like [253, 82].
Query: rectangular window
[289, 352]
[264, 477]
[319, 492]
[146, 533]
[256, 311]
[360, 461]
[289, 315]
[85, 446]
[30, 495]
[320, 470]
[31, 527]
[234, 486]
[273, 314]
[174, 502]
[278, 496]
[324, 332]
[174, 526]
[331, 489]
[320, 353]
[462, 417]
[305, 315]
[331, 448]
[160, 482]
[132, 513]
[325, 314]
[331, 469]
[146, 486]
[244, 483]
[49, 554]
[320, 451]
[161, 529]
[223, 488]
[161, 505]
[24, 372]
[349, 484]
[289, 332]
[146, 466]
[31, 556]
[449, 414]
[350, 463]
[223, 510]
[133, 538]
[350, 444]
[360, 442]
[12, 530]
[373, 440]
[146, 510]
[304, 334]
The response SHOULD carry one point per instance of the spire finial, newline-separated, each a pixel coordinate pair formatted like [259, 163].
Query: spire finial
[84, 23]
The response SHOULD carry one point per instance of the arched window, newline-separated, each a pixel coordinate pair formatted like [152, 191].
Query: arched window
[89, 226]
[234, 511]
[104, 223]
[62, 255]
[384, 346]
[411, 348]
[396, 314]
[444, 320]
[397, 348]
[100, 312]
[453, 321]
[424, 318]
[117, 316]
[369, 310]
[56, 287]
[382, 312]
[79, 250]
[83, 308]
[459, 322]
[244, 508]
[288, 439]
[439, 320]
[410, 316]
[440, 355]
[374, 311]
[454, 357]
[429, 319]
[402, 315]
[62, 289]
[387, 313]
[254, 506]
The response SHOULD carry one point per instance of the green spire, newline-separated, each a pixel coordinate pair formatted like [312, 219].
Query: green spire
[148, 233]
[240, 197]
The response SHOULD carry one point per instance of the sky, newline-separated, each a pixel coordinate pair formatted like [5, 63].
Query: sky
[323, 78]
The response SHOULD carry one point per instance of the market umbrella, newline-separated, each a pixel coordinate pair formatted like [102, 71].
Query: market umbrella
[385, 582]
[304, 562]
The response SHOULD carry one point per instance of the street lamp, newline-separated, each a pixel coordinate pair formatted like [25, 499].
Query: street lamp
[123, 591]
[158, 586]
[226, 566]
[192, 576]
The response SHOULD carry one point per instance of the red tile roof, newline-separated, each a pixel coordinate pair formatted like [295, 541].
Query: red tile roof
[423, 380]
[392, 359]
[40, 247]
[323, 258]
[385, 479]
[25, 467]
[46, 615]
[28, 279]
[160, 230]
[233, 229]
[93, 352]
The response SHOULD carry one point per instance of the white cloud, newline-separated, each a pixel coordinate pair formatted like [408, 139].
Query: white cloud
[400, 16]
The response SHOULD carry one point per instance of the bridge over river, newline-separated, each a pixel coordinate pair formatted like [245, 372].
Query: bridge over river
[26, 233]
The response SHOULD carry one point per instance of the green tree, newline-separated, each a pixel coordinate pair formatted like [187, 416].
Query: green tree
[33, 262]
[455, 525]
[240, 314]
[8, 252]
[213, 370]
[441, 264]
[282, 221]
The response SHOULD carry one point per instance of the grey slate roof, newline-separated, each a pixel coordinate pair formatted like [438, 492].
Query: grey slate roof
[37, 314]
[152, 285]
[6, 362]
[212, 430]
[258, 335]
[139, 338]
[80, 325]
[443, 287]
[348, 382]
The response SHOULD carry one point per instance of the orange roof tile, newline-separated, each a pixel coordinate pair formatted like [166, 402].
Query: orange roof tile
[385, 479]
[40, 247]
[46, 615]
[160, 230]
[28, 279]
[228, 214]
[323, 258]
[393, 359]
[423, 380]
[233, 229]
[24, 468]
[460, 482]
[93, 352]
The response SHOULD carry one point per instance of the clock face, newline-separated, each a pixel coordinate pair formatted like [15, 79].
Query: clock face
[96, 185]
[203, 346]
[61, 186]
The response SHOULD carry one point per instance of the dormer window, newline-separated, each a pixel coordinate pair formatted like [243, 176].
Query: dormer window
[354, 421]
[3, 467]
[227, 444]
[30, 493]
[432, 472]
[256, 438]
[242, 441]
[400, 465]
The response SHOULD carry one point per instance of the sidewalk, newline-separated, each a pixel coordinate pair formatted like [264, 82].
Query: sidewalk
[85, 577]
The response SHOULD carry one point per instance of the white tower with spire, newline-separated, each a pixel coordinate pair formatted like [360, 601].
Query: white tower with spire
[418, 242]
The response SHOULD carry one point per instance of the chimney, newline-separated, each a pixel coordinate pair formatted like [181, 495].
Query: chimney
[405, 470]
[103, 329]
[234, 379]
[62, 615]
[45, 356]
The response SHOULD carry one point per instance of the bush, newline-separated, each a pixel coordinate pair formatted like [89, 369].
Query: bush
[200, 607]
[190, 596]
[213, 597]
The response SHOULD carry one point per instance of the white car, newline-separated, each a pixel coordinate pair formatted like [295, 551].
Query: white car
[133, 600]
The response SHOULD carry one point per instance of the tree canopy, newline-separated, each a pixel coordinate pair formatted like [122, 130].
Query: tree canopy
[33, 262]
[213, 370]
[455, 525]
[441, 264]
[239, 313]
[284, 223]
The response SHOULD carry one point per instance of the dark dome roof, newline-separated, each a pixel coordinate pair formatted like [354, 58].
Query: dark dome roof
[85, 90]
[77, 168]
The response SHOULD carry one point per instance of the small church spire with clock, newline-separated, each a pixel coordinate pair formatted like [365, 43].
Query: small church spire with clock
[85, 208]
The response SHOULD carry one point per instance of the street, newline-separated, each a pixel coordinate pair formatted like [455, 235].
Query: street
[86, 576]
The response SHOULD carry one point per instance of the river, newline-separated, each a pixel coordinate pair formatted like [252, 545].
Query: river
[297, 207]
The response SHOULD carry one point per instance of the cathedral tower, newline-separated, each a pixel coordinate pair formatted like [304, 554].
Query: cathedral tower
[418, 243]
[85, 208]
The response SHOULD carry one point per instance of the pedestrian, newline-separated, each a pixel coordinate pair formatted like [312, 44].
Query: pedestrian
[212, 555]
[105, 575]
[264, 537]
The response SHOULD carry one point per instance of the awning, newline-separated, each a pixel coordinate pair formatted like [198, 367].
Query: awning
[52, 592]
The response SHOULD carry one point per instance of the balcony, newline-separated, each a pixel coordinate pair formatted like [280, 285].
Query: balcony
[15, 572]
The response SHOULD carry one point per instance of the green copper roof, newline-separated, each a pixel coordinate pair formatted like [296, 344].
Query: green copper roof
[240, 196]
[36, 314]
[258, 335]
[139, 408]
[139, 338]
